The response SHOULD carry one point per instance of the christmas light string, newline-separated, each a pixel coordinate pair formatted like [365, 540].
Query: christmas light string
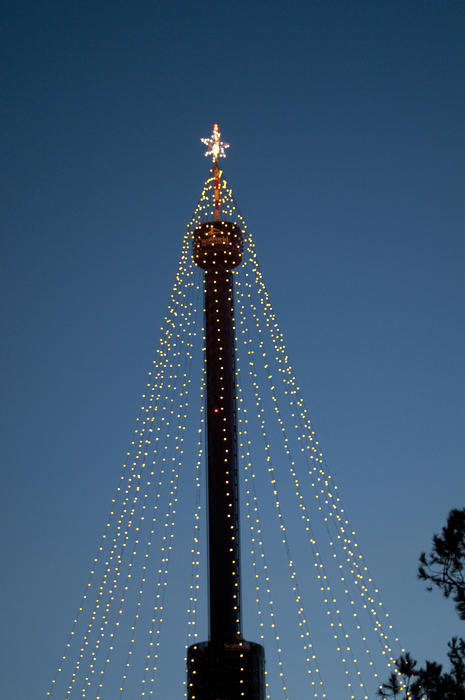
[194, 585]
[119, 556]
[162, 584]
[256, 389]
[168, 519]
[323, 479]
[125, 536]
[280, 350]
[154, 633]
[128, 475]
[328, 596]
[142, 586]
[312, 666]
[157, 619]
[260, 567]
[168, 529]
[330, 604]
[134, 475]
[133, 480]
[303, 623]
[312, 445]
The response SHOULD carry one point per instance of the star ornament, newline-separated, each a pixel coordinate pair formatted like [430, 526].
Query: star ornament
[215, 147]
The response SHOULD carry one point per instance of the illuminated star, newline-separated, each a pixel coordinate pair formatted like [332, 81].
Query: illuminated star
[215, 147]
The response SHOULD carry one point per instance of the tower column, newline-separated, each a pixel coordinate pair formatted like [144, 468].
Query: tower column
[226, 667]
[223, 487]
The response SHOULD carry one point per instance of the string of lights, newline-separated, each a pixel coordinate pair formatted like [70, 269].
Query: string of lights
[229, 209]
[261, 573]
[124, 546]
[100, 597]
[324, 486]
[179, 415]
[322, 479]
[302, 617]
[173, 483]
[167, 544]
[330, 603]
[194, 585]
[165, 336]
[263, 584]
[167, 345]
[328, 596]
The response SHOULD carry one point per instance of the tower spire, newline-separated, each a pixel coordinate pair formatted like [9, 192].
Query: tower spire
[217, 149]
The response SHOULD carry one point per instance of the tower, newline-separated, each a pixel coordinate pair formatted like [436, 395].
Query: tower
[226, 667]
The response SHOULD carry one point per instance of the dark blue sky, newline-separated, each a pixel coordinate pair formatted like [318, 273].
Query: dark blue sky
[346, 127]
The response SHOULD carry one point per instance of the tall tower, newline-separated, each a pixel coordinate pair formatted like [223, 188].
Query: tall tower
[226, 667]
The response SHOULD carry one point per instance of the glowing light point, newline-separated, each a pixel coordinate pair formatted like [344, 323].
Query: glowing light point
[215, 147]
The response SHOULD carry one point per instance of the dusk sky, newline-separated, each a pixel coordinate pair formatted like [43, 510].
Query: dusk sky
[346, 125]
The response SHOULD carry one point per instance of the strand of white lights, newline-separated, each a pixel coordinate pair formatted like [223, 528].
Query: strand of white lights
[378, 627]
[157, 618]
[312, 666]
[330, 604]
[230, 206]
[98, 602]
[128, 512]
[141, 588]
[280, 349]
[165, 334]
[357, 578]
[206, 206]
[167, 545]
[328, 595]
[117, 567]
[162, 575]
[194, 586]
[179, 309]
[323, 479]
[174, 414]
[308, 432]
[256, 546]
[171, 416]
[146, 442]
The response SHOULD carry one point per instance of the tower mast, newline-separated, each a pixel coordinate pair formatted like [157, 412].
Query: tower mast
[226, 667]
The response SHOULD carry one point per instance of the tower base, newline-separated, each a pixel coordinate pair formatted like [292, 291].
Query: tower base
[226, 671]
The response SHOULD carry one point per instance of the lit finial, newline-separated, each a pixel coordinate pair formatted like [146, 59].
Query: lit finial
[215, 147]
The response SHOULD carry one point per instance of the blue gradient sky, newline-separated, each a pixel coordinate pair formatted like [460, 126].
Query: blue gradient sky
[346, 121]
